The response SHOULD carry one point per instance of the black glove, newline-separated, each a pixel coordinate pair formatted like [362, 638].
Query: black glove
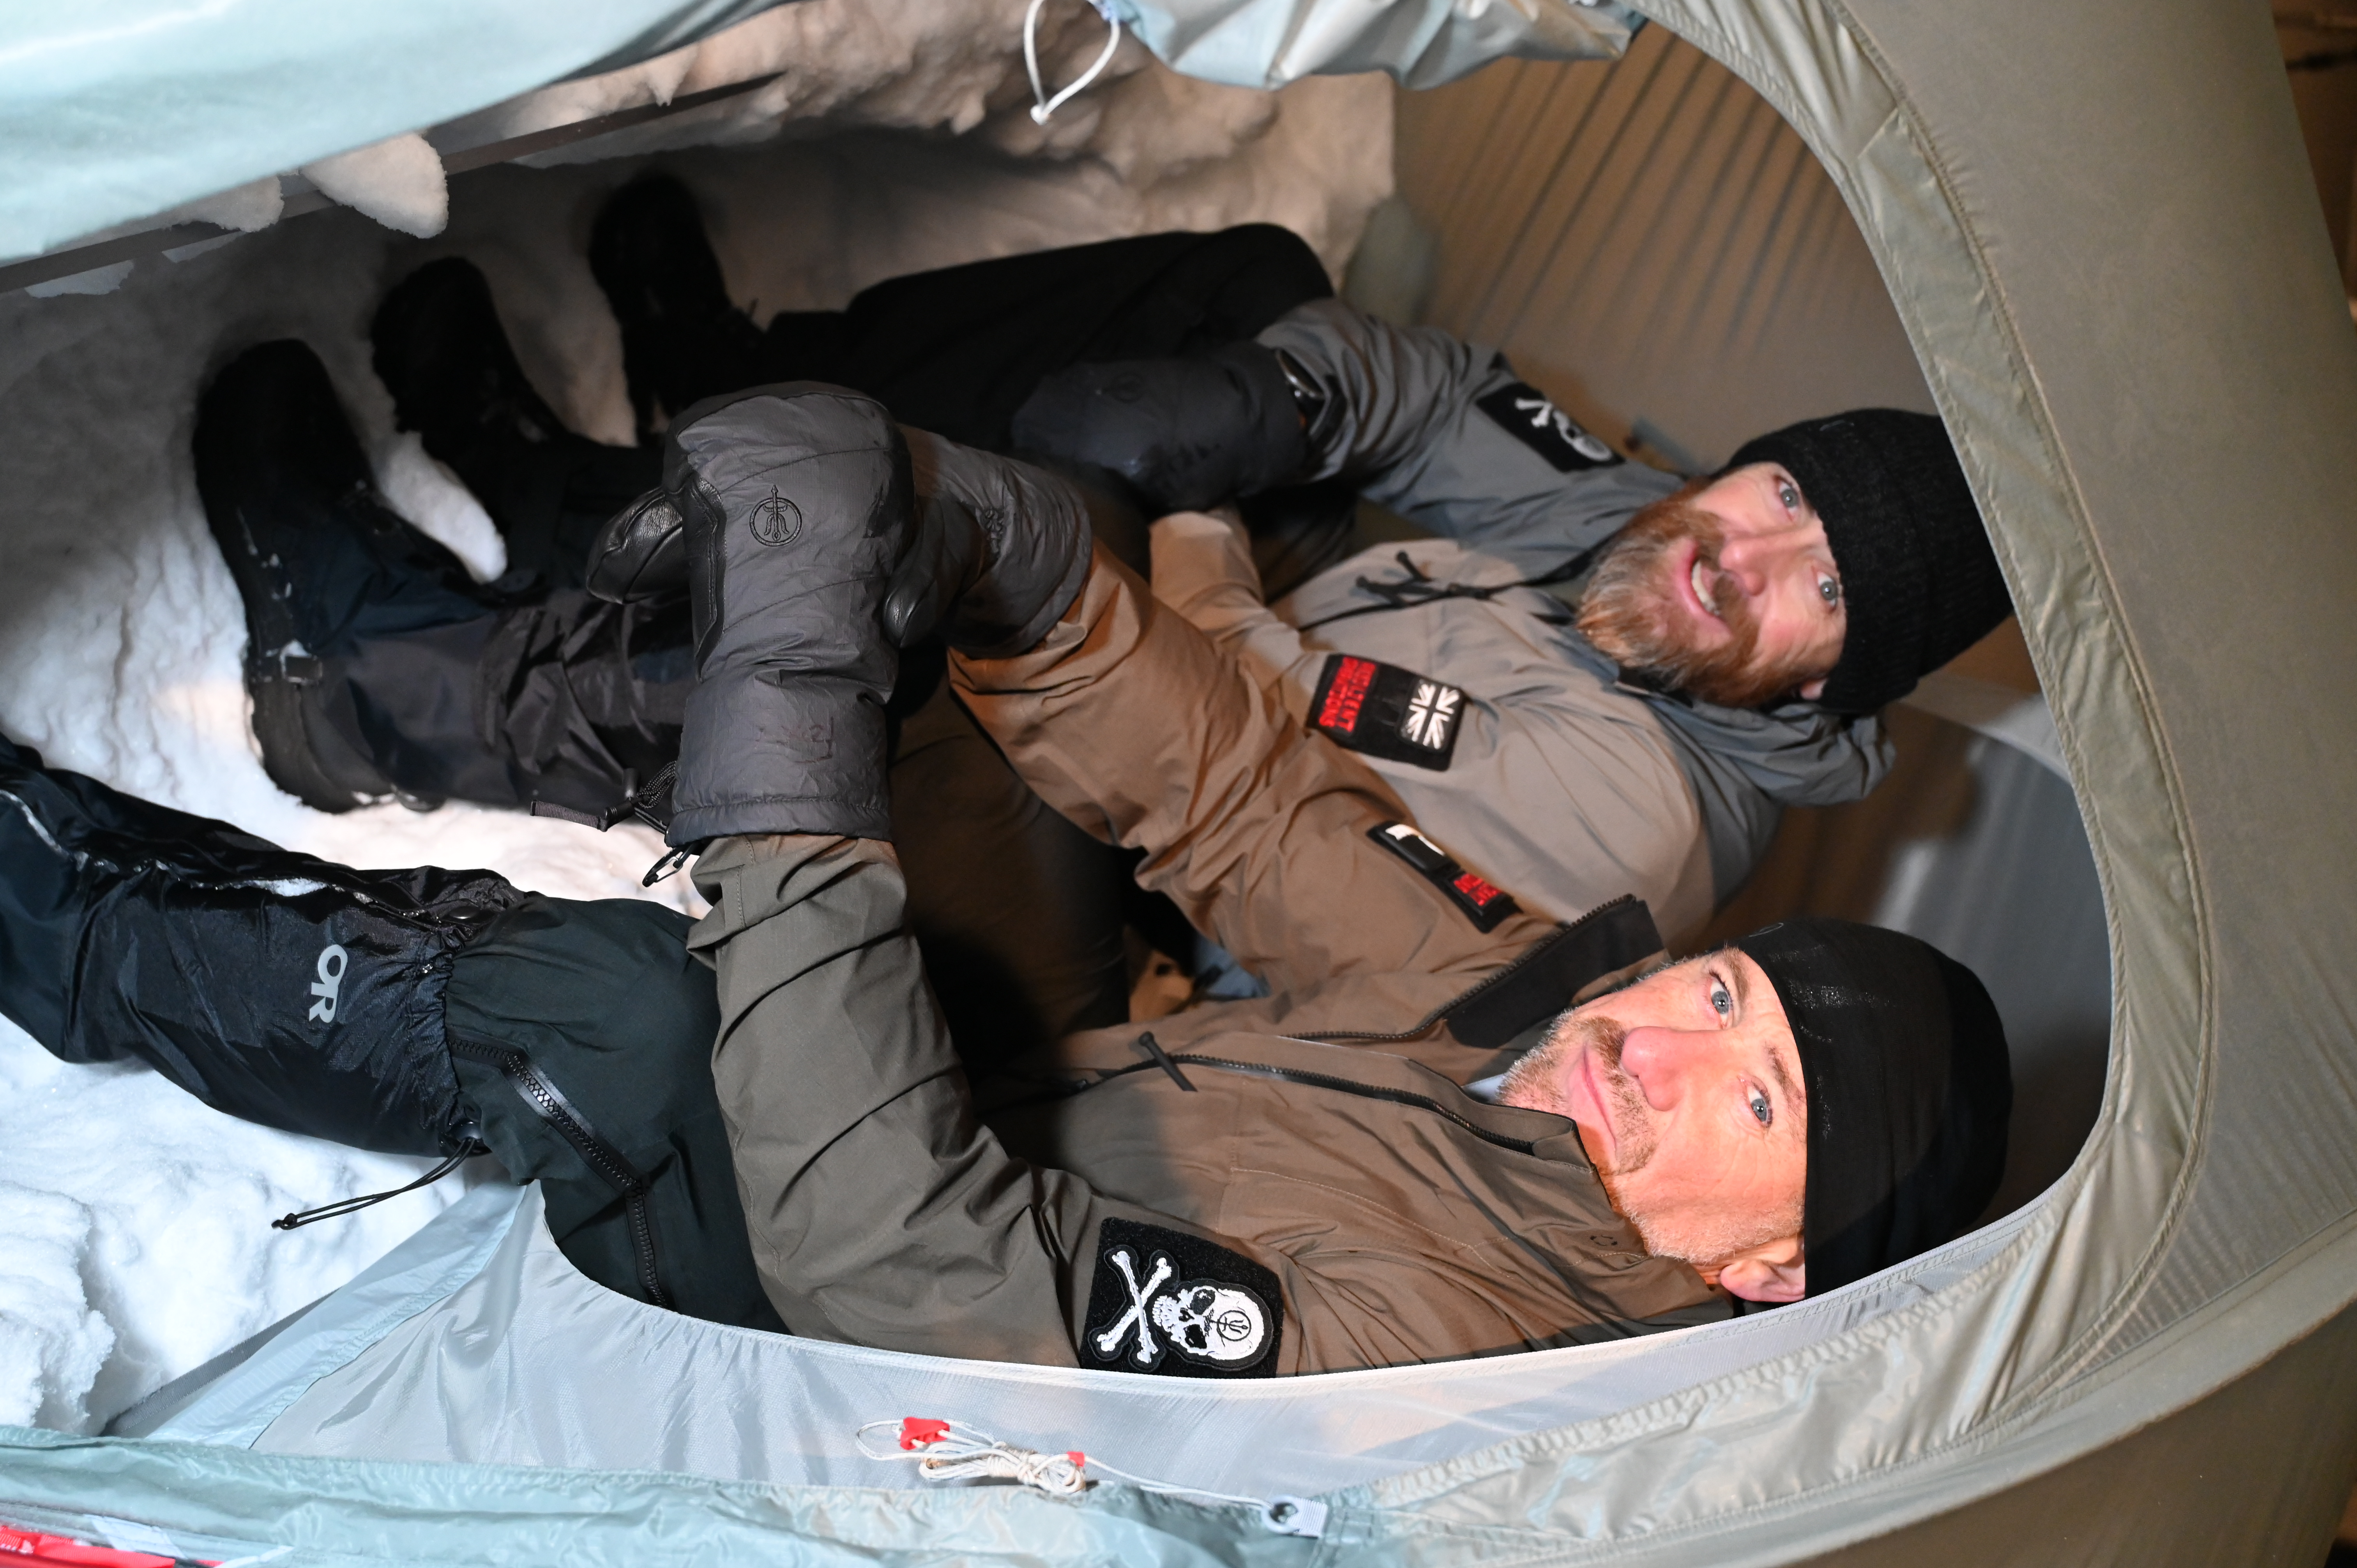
[1002, 549]
[1187, 433]
[797, 507]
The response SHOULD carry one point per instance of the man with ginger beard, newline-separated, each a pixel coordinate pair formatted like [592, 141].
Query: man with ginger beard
[1596, 678]
[1293, 1184]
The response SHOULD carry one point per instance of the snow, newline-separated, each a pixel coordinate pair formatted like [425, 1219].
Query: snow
[397, 182]
[135, 1242]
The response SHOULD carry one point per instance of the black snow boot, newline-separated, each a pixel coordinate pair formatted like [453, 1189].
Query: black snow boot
[441, 351]
[683, 340]
[324, 566]
[1185, 433]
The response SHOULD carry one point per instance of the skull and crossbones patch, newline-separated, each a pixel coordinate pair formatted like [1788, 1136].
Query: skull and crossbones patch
[1382, 710]
[1531, 417]
[1169, 1302]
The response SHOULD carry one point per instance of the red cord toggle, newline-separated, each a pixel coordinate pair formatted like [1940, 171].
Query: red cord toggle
[34, 1547]
[915, 1431]
[1080, 1460]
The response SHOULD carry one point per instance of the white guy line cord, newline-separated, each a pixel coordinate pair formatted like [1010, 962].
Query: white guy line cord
[1042, 105]
[951, 1451]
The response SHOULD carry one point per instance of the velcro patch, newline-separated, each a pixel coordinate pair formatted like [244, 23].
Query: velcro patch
[1384, 711]
[1166, 1302]
[1484, 903]
[1531, 417]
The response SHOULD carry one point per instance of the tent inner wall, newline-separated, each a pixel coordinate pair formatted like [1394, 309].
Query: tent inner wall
[1649, 241]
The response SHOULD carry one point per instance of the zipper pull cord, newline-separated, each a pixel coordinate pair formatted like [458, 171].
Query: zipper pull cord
[353, 1205]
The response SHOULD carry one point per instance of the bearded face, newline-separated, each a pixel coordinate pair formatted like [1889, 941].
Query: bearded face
[1633, 611]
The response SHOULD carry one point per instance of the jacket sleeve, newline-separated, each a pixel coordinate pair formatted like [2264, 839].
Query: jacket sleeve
[1128, 721]
[1203, 569]
[881, 1211]
[1445, 433]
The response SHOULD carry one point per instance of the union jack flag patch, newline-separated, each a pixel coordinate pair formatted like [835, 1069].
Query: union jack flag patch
[1382, 710]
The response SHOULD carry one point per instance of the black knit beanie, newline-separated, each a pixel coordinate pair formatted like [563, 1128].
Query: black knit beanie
[1917, 571]
[1910, 1087]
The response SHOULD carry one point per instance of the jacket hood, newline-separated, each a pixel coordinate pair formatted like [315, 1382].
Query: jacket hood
[1797, 753]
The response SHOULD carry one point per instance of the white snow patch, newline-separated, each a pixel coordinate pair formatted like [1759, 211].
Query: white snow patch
[53, 1342]
[254, 205]
[134, 1240]
[430, 497]
[98, 280]
[398, 182]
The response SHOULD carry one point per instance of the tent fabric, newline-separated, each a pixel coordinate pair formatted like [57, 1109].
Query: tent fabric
[2097, 228]
[1423, 43]
[112, 110]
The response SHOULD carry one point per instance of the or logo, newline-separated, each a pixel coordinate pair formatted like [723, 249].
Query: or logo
[1206, 1321]
[333, 960]
[776, 521]
[1530, 416]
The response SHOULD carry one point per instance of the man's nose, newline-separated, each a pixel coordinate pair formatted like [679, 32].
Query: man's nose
[1752, 560]
[1650, 1058]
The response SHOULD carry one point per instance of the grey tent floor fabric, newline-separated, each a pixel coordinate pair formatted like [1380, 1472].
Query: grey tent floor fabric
[529, 1363]
[477, 1341]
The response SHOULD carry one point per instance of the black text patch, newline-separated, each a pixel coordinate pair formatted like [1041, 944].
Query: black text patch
[1387, 711]
[1531, 417]
[1166, 1302]
[1484, 903]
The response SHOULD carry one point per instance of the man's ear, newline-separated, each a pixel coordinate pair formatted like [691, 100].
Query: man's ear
[1811, 691]
[1774, 1272]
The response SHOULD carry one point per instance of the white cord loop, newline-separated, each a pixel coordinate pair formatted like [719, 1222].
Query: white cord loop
[1042, 105]
[950, 1451]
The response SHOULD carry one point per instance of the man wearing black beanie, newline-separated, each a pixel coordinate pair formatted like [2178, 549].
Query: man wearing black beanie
[1844, 1100]
[1253, 1188]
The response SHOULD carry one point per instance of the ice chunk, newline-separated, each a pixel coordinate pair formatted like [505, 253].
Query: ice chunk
[398, 182]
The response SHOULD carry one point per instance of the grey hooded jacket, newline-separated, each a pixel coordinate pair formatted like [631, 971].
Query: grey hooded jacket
[1553, 778]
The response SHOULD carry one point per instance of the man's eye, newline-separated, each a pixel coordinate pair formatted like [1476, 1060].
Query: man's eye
[1790, 494]
[1721, 1003]
[1761, 1109]
[1828, 590]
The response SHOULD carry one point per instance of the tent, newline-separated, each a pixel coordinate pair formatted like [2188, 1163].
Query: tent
[2095, 224]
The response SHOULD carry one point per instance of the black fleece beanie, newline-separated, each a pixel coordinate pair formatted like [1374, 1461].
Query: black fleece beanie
[1921, 581]
[1910, 1087]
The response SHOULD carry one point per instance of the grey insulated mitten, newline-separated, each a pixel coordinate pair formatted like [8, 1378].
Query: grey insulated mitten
[797, 508]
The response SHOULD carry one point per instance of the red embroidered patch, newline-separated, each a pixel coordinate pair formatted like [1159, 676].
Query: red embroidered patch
[1477, 890]
[1382, 710]
[1346, 692]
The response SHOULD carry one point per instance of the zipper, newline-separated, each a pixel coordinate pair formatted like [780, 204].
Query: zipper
[1530, 955]
[549, 1104]
[1364, 1092]
[1161, 1059]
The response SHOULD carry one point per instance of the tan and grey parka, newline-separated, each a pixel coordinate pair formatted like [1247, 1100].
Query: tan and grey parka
[1301, 1174]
